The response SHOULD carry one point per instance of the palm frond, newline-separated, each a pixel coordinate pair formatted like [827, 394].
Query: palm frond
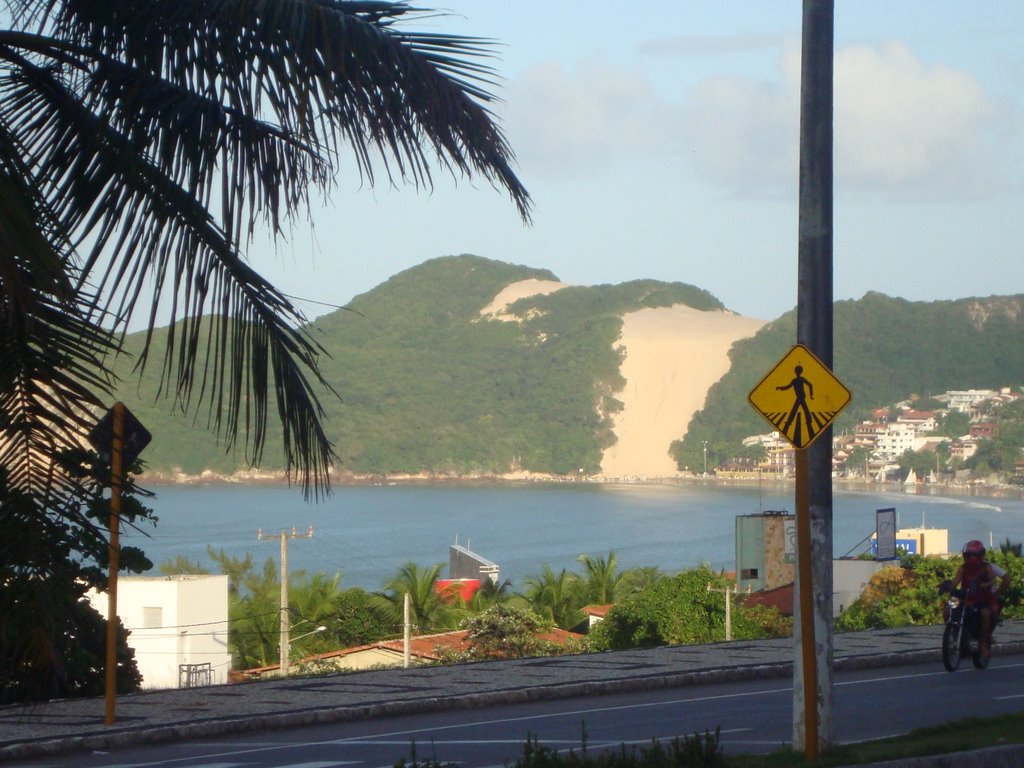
[159, 149]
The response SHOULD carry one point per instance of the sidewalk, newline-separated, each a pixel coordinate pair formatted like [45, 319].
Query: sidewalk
[76, 725]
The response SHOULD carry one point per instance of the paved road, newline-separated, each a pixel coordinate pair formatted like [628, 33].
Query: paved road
[754, 716]
[151, 717]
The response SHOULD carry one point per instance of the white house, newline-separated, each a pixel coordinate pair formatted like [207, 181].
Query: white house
[178, 626]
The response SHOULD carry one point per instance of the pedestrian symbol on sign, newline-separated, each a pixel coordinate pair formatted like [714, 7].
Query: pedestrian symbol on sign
[786, 397]
[802, 389]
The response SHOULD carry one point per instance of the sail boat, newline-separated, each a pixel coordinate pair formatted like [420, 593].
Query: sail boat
[910, 484]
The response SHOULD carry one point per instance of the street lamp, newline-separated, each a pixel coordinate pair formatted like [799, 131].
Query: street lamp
[321, 628]
[288, 645]
[705, 458]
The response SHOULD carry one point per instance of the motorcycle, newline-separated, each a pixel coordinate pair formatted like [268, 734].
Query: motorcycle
[963, 629]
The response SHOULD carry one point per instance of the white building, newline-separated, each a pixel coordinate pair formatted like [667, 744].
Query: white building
[922, 422]
[895, 441]
[178, 626]
[964, 400]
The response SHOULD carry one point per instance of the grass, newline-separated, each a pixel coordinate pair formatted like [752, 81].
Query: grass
[704, 751]
[963, 735]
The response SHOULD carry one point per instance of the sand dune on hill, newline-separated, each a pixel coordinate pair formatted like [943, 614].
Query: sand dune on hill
[514, 292]
[673, 356]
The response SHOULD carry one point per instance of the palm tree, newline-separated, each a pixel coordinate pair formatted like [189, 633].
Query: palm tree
[557, 598]
[144, 142]
[602, 577]
[637, 580]
[489, 594]
[313, 602]
[1010, 548]
[141, 144]
[428, 609]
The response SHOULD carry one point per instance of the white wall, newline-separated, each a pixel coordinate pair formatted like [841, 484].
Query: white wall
[849, 578]
[173, 620]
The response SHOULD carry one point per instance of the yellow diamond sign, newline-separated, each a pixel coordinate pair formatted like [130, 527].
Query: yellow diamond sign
[800, 397]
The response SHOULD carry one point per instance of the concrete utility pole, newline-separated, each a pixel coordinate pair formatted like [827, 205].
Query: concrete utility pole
[285, 620]
[812, 684]
[729, 592]
[406, 632]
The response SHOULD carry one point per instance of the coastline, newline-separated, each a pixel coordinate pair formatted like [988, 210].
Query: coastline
[847, 485]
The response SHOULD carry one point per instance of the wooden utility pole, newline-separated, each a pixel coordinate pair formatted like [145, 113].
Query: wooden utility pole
[284, 536]
[812, 688]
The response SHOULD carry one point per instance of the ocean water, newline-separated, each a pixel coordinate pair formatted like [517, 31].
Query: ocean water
[367, 532]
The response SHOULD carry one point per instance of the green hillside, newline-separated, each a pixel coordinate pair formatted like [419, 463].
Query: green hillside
[427, 385]
[886, 349]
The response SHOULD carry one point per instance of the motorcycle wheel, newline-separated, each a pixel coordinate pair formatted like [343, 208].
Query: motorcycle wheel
[951, 647]
[980, 662]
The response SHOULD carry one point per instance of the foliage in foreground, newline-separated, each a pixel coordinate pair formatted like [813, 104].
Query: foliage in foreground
[650, 609]
[696, 751]
[907, 595]
[52, 641]
[699, 751]
[681, 609]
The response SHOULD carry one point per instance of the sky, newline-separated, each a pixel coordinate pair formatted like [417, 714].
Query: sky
[660, 140]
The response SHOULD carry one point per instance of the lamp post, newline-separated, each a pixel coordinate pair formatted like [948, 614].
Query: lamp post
[705, 458]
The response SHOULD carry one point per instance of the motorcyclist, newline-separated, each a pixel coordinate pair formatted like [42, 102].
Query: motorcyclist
[978, 579]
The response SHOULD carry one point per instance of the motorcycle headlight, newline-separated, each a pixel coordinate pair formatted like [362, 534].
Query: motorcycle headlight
[954, 602]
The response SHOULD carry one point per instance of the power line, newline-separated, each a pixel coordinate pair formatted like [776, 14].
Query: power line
[315, 301]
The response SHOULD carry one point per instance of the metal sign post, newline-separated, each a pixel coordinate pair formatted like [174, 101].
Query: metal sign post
[812, 716]
[801, 397]
[116, 470]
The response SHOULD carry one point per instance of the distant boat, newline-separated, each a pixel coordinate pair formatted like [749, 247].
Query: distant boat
[911, 478]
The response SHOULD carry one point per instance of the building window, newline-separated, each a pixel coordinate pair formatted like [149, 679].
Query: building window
[152, 617]
[748, 573]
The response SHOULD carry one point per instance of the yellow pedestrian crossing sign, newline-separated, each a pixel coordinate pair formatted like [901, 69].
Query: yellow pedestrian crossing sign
[800, 397]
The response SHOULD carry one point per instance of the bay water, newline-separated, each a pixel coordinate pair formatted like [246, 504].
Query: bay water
[367, 532]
